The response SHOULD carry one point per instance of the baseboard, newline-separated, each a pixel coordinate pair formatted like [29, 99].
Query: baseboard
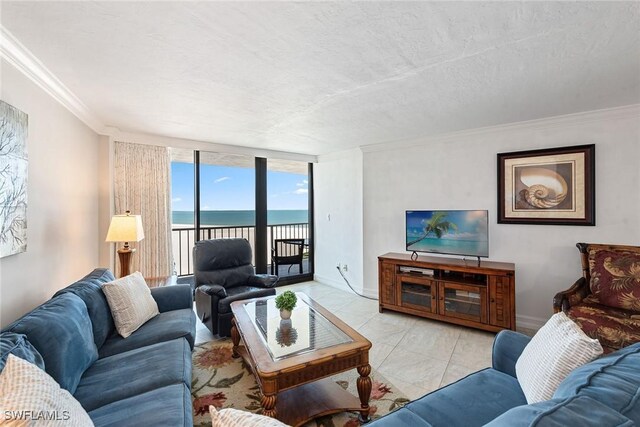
[529, 322]
[343, 286]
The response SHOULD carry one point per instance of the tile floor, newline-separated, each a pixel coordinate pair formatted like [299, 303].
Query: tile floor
[416, 355]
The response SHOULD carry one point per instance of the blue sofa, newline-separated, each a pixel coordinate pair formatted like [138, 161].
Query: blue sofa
[144, 379]
[605, 392]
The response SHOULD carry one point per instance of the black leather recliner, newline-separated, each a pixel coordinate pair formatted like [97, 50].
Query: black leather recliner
[223, 274]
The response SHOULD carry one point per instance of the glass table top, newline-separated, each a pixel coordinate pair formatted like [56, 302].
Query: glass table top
[306, 331]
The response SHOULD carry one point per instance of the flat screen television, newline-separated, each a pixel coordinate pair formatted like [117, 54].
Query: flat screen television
[464, 233]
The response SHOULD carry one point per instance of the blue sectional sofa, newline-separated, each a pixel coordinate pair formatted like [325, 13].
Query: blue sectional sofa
[605, 392]
[144, 379]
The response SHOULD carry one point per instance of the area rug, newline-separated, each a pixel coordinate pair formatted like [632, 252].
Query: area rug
[225, 382]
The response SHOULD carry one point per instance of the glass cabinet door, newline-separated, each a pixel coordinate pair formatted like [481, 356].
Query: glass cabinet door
[463, 301]
[417, 293]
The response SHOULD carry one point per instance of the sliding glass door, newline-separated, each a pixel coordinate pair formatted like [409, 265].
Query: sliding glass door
[267, 202]
[288, 220]
[227, 196]
[183, 219]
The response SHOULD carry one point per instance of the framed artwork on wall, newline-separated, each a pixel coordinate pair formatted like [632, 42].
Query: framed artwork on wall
[13, 180]
[549, 186]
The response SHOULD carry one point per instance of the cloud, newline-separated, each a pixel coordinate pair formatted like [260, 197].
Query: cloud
[304, 183]
[301, 191]
[224, 178]
[176, 200]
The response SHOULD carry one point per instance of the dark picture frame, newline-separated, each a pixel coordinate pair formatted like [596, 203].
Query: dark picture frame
[554, 186]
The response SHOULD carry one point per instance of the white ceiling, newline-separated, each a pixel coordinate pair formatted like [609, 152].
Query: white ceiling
[318, 77]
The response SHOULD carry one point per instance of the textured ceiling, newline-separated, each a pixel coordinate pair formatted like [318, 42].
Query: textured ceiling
[318, 77]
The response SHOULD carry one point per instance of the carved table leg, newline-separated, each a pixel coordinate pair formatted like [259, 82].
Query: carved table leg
[364, 391]
[269, 405]
[235, 337]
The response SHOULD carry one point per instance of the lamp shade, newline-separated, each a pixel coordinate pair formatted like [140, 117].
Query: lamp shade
[125, 228]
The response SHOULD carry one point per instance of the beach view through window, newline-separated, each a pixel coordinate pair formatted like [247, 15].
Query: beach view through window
[227, 202]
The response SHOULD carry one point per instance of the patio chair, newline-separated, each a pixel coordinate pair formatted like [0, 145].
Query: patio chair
[287, 252]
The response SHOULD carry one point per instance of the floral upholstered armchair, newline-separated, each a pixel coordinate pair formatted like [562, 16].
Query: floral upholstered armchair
[605, 301]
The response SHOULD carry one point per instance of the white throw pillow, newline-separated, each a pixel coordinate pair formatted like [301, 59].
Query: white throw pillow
[558, 348]
[30, 397]
[230, 417]
[131, 303]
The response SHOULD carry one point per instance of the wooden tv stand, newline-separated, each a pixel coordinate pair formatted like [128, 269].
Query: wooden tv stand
[479, 295]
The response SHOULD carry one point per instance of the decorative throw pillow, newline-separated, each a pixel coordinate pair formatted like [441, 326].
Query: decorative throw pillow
[615, 277]
[556, 349]
[30, 397]
[131, 303]
[230, 417]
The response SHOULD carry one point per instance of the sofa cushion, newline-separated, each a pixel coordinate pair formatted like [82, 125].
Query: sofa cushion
[472, 401]
[89, 290]
[135, 372]
[613, 380]
[18, 345]
[400, 418]
[575, 411]
[615, 276]
[613, 327]
[166, 406]
[164, 327]
[558, 348]
[24, 387]
[61, 331]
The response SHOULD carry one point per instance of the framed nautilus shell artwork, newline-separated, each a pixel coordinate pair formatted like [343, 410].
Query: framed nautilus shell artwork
[549, 186]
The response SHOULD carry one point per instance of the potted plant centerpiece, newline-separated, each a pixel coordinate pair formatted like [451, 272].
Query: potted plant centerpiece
[285, 302]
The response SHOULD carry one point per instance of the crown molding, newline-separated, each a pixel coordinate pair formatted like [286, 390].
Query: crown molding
[167, 141]
[575, 119]
[26, 62]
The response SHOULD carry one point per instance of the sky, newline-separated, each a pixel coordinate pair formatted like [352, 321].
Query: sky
[233, 188]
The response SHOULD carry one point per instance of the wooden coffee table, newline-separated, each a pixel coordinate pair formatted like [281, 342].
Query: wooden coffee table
[291, 360]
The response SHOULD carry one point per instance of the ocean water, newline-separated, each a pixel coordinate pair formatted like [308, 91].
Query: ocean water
[241, 218]
[451, 246]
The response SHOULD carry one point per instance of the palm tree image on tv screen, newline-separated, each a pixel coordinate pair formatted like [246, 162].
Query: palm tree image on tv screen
[448, 232]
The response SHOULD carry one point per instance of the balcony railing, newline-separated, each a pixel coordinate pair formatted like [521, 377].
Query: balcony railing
[184, 239]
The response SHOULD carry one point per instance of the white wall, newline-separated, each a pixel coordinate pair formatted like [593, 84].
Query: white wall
[337, 188]
[458, 171]
[62, 218]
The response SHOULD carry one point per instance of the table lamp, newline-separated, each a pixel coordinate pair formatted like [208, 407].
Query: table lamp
[125, 228]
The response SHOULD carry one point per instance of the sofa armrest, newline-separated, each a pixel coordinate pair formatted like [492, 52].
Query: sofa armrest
[174, 297]
[263, 280]
[572, 296]
[507, 348]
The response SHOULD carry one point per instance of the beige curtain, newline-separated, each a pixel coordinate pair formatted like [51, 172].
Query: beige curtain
[143, 186]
